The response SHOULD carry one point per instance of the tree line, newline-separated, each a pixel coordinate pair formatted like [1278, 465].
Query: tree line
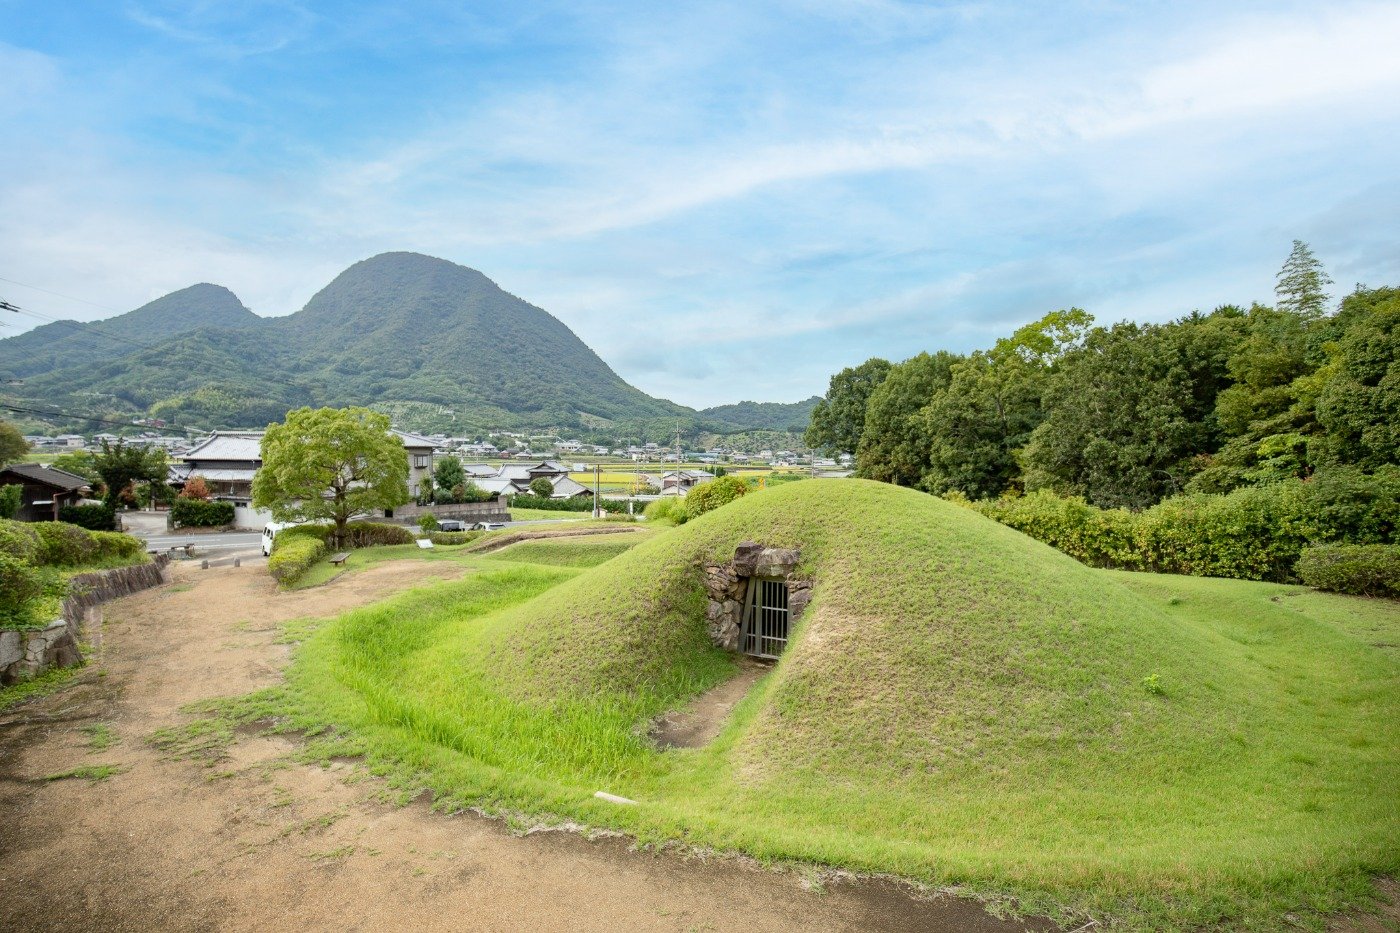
[1130, 414]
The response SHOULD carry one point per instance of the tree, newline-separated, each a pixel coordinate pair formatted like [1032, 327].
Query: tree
[709, 496]
[839, 418]
[449, 475]
[1359, 404]
[541, 487]
[195, 488]
[10, 498]
[330, 463]
[13, 446]
[992, 404]
[1301, 283]
[893, 448]
[119, 465]
[79, 463]
[1127, 413]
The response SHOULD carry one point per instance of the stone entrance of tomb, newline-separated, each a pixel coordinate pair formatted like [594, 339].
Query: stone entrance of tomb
[755, 599]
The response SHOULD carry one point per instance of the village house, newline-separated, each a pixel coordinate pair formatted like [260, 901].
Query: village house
[44, 490]
[680, 482]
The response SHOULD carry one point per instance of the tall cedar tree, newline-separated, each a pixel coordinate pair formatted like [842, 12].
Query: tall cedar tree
[1301, 286]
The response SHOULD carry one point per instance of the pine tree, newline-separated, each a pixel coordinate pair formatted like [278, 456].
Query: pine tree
[1301, 282]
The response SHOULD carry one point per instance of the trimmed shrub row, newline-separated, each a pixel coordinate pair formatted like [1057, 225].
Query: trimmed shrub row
[1358, 569]
[94, 517]
[24, 589]
[296, 549]
[574, 504]
[293, 555]
[454, 537]
[59, 544]
[1256, 533]
[201, 513]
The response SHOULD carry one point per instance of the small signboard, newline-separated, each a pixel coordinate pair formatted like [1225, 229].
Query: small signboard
[425, 543]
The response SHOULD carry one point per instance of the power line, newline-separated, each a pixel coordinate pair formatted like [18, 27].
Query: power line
[86, 327]
[60, 295]
[24, 410]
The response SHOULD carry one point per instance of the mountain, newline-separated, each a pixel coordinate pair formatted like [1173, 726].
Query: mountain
[65, 344]
[435, 344]
[769, 416]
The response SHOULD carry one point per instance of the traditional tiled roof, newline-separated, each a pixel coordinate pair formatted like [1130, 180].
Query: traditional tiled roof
[228, 445]
[58, 479]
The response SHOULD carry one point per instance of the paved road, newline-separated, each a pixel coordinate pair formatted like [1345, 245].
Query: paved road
[215, 542]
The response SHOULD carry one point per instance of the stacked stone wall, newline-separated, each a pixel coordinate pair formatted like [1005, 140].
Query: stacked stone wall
[28, 653]
[726, 585]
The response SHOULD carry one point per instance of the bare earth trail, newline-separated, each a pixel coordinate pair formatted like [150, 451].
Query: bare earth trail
[258, 843]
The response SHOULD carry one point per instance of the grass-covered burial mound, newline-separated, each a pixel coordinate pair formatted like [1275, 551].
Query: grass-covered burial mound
[959, 704]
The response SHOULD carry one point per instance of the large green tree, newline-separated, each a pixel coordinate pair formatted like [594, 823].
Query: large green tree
[121, 465]
[893, 448]
[331, 464]
[1301, 286]
[13, 446]
[1358, 402]
[839, 418]
[1127, 413]
[992, 404]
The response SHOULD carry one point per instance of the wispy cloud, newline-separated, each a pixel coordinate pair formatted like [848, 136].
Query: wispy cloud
[843, 177]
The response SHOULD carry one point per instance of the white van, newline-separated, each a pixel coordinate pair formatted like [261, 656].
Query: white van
[270, 531]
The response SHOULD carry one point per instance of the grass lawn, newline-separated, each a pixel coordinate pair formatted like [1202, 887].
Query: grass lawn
[959, 705]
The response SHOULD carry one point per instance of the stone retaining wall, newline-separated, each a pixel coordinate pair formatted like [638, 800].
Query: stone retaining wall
[28, 653]
[726, 584]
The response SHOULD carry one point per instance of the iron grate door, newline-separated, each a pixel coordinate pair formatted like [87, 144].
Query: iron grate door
[766, 618]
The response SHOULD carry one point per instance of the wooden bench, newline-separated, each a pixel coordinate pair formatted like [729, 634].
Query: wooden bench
[339, 559]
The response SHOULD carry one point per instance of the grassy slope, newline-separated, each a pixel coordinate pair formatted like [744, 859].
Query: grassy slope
[960, 704]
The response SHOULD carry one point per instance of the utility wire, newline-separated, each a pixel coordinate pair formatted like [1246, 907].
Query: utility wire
[21, 409]
[84, 327]
[61, 295]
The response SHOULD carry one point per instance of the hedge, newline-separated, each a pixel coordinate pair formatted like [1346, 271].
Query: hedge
[24, 589]
[294, 555]
[1359, 569]
[59, 544]
[572, 504]
[94, 517]
[295, 550]
[201, 513]
[454, 537]
[1256, 533]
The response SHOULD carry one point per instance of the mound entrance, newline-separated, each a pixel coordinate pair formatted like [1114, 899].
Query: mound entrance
[755, 598]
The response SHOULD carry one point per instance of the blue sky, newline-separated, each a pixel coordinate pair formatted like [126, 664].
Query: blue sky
[725, 200]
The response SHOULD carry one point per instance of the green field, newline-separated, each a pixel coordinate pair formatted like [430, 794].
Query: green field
[960, 705]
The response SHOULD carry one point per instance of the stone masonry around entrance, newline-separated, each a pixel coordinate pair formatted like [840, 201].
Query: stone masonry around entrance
[725, 584]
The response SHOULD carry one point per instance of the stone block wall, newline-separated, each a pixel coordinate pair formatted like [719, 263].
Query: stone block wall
[726, 583]
[28, 653]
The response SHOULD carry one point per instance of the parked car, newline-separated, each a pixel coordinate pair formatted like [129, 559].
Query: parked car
[269, 533]
[488, 526]
[451, 524]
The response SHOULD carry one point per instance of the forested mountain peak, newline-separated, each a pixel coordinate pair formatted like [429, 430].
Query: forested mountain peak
[73, 343]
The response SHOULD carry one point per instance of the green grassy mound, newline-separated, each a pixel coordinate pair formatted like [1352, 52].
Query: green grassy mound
[566, 552]
[959, 704]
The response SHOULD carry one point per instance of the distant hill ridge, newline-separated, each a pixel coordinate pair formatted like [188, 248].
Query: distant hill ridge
[436, 344]
[70, 343]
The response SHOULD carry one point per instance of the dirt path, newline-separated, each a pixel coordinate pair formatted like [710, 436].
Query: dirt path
[258, 843]
[700, 722]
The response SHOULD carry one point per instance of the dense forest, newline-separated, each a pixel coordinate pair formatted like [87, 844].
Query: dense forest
[1129, 414]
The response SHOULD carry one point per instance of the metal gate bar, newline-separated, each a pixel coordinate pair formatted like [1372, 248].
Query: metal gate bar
[766, 618]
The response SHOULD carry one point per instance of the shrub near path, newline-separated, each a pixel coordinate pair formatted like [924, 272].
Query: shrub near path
[216, 829]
